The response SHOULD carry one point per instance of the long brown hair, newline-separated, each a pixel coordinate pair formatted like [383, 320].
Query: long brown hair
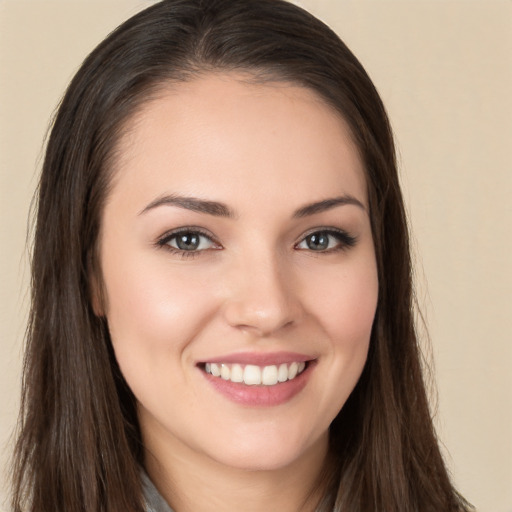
[79, 447]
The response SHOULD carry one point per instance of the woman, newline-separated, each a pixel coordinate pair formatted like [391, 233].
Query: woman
[229, 322]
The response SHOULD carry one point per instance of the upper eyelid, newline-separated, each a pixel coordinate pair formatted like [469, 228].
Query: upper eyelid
[324, 229]
[165, 237]
[168, 235]
[345, 238]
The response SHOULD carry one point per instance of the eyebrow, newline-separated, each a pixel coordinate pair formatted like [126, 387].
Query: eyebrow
[327, 204]
[192, 203]
[219, 209]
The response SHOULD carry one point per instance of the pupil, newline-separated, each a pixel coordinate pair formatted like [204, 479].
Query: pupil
[318, 241]
[187, 241]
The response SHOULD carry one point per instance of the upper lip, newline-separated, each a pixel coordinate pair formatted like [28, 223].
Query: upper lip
[260, 358]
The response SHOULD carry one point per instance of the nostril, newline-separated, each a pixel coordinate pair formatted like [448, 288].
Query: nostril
[265, 320]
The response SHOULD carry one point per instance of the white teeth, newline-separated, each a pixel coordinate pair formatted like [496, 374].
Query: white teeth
[252, 375]
[269, 375]
[225, 372]
[237, 373]
[215, 369]
[292, 371]
[282, 375]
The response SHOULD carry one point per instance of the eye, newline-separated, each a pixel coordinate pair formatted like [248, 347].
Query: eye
[326, 240]
[187, 241]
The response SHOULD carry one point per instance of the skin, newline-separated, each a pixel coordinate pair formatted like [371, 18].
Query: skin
[264, 151]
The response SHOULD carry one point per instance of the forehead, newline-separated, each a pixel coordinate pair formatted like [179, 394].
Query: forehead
[219, 129]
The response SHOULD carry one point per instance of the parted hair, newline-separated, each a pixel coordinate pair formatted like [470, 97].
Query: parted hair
[79, 447]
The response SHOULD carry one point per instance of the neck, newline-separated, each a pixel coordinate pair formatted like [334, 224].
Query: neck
[192, 482]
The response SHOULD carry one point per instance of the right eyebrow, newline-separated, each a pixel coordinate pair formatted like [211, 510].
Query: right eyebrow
[191, 203]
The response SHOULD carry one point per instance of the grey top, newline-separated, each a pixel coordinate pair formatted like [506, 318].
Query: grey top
[154, 501]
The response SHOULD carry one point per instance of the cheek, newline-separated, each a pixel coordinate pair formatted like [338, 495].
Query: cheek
[346, 313]
[348, 304]
[153, 313]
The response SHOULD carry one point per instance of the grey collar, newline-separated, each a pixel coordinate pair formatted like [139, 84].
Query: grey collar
[154, 501]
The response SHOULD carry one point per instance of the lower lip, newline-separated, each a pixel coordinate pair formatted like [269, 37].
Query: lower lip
[260, 396]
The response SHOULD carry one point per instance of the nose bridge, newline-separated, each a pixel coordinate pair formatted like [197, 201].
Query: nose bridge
[262, 296]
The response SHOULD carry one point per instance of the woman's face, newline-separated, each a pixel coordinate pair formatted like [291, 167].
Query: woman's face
[239, 270]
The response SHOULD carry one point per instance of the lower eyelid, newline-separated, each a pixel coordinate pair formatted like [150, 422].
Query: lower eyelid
[344, 241]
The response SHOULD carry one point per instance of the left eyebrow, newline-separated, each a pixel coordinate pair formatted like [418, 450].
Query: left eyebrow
[327, 204]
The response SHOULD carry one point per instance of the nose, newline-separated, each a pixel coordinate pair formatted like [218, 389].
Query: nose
[262, 297]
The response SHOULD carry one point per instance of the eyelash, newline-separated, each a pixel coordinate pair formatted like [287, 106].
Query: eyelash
[344, 239]
[164, 241]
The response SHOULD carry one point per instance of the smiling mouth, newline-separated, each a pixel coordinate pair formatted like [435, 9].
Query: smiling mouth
[253, 375]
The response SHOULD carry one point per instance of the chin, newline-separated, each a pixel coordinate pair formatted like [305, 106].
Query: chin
[268, 454]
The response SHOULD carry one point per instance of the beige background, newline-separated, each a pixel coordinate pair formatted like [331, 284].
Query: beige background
[444, 70]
